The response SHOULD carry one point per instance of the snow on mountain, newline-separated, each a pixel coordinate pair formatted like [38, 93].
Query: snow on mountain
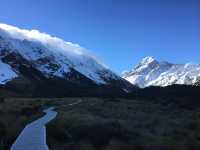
[51, 55]
[150, 72]
[6, 73]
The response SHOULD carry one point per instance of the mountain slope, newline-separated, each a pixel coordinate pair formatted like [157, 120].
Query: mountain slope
[6, 73]
[44, 61]
[150, 72]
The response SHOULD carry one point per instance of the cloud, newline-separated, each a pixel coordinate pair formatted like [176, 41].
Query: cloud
[44, 38]
[51, 42]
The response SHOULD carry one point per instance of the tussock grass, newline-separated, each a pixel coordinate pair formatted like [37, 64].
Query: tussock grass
[121, 124]
[15, 114]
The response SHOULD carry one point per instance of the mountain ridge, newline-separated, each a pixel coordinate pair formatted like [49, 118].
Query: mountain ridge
[42, 60]
[151, 72]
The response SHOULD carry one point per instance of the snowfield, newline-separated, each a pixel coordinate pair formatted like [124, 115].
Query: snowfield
[6, 73]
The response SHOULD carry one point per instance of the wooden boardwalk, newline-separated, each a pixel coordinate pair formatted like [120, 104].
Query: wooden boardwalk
[33, 137]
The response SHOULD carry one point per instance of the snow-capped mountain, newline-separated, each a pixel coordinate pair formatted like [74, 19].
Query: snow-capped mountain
[32, 54]
[150, 72]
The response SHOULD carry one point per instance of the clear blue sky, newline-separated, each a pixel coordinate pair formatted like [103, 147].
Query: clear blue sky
[119, 32]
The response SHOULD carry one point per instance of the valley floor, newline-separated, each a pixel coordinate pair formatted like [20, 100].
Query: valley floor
[106, 124]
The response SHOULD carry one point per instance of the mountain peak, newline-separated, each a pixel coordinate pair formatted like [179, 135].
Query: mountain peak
[147, 60]
[150, 72]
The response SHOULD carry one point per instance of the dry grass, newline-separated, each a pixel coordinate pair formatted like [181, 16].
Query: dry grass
[118, 124]
[104, 124]
[14, 115]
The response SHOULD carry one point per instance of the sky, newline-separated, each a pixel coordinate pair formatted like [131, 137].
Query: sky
[119, 32]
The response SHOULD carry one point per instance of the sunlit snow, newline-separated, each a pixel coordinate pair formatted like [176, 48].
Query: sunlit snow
[37, 47]
[6, 73]
[150, 72]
